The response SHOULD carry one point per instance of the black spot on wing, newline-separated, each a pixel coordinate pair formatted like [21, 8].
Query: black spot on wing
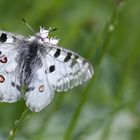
[57, 53]
[51, 68]
[30, 89]
[73, 63]
[68, 57]
[0, 52]
[18, 87]
[3, 37]
[13, 84]
[84, 62]
[76, 56]
[46, 71]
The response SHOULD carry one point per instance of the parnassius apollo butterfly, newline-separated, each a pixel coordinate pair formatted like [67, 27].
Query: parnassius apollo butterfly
[40, 65]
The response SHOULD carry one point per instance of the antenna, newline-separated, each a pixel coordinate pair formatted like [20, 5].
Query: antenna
[52, 30]
[28, 25]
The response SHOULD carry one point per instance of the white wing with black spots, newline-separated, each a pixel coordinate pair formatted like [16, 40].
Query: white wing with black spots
[66, 69]
[11, 38]
[9, 44]
[40, 94]
[9, 80]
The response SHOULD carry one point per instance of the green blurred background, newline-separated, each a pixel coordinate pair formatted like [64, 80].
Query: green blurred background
[107, 33]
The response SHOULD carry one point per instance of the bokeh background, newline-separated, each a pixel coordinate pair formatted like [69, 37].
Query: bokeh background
[107, 34]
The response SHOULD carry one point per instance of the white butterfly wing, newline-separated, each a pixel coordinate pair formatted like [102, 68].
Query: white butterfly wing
[40, 94]
[7, 37]
[8, 49]
[66, 69]
[9, 82]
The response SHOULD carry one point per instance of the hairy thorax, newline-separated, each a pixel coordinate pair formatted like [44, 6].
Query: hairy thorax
[28, 61]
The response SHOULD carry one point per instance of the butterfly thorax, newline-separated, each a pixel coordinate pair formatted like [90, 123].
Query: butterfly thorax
[29, 60]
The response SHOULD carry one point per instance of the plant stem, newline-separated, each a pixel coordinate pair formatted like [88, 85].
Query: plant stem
[17, 123]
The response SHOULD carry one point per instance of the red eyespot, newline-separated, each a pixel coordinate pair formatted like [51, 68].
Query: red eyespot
[2, 79]
[41, 88]
[4, 60]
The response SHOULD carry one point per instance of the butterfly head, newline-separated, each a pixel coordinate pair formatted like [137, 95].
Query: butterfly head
[43, 37]
[44, 33]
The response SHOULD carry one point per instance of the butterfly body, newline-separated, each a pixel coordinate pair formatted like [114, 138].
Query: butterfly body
[28, 61]
[41, 66]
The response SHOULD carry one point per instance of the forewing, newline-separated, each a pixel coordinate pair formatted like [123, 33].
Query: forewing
[9, 82]
[66, 69]
[39, 92]
[7, 37]
[9, 44]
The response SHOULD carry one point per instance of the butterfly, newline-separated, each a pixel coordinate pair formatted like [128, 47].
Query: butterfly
[37, 64]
